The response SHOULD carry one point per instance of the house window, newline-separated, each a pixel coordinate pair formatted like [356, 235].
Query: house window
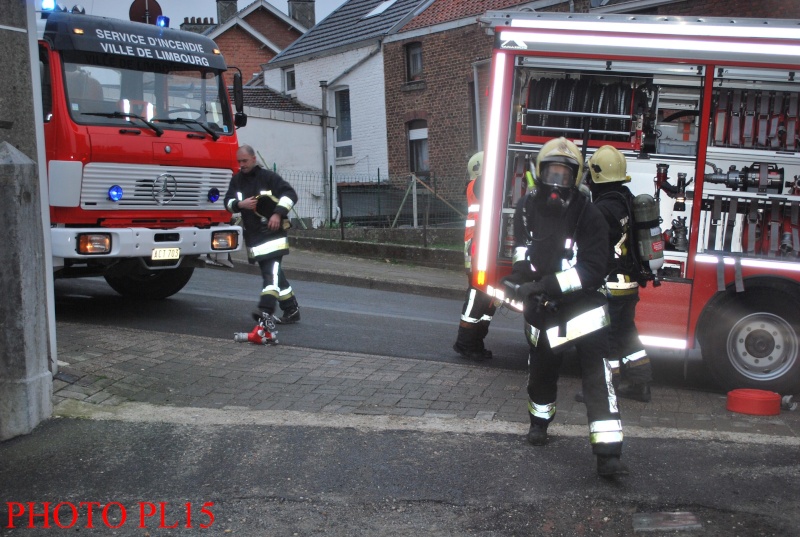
[288, 80]
[418, 147]
[344, 134]
[413, 61]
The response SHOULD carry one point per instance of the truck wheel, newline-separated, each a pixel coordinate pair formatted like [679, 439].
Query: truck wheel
[753, 339]
[151, 285]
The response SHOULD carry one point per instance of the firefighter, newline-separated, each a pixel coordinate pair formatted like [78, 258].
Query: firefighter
[560, 257]
[629, 361]
[264, 200]
[478, 308]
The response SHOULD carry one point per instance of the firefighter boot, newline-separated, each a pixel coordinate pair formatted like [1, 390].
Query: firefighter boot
[537, 434]
[470, 345]
[290, 316]
[610, 466]
[637, 392]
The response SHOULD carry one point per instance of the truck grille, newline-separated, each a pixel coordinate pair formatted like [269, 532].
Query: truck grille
[189, 189]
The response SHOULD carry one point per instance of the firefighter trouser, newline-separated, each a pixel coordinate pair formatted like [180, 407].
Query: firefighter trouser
[628, 358]
[605, 426]
[476, 315]
[276, 287]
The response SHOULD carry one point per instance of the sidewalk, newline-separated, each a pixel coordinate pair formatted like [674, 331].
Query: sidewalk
[101, 372]
[291, 440]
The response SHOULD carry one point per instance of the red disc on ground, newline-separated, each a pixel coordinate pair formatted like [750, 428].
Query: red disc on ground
[755, 402]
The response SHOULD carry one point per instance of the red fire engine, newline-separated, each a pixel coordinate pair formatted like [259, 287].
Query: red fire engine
[707, 113]
[140, 144]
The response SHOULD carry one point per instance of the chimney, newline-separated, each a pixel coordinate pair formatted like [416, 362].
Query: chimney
[226, 10]
[303, 12]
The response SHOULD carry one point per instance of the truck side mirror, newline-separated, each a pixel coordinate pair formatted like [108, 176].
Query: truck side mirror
[240, 118]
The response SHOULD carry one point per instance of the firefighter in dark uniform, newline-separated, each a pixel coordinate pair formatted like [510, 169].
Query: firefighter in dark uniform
[478, 308]
[560, 259]
[629, 361]
[264, 200]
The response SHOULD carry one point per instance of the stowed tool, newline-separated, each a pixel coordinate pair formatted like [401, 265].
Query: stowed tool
[264, 332]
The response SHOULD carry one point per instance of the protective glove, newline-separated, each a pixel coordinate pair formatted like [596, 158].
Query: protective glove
[520, 291]
[529, 289]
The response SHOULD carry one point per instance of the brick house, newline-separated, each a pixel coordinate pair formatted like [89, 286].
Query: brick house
[436, 69]
[254, 35]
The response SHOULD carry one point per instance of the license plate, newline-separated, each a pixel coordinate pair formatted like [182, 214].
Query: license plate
[160, 254]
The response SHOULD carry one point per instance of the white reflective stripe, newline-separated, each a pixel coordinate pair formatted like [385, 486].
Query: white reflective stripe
[667, 343]
[470, 223]
[605, 432]
[286, 202]
[490, 172]
[605, 426]
[655, 47]
[613, 363]
[474, 208]
[716, 30]
[487, 318]
[229, 206]
[755, 263]
[286, 293]
[532, 333]
[608, 372]
[569, 280]
[281, 243]
[581, 325]
[545, 412]
[635, 356]
[468, 309]
[273, 288]
[606, 438]
[520, 252]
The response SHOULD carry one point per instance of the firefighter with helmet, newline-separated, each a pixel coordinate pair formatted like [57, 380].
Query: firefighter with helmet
[478, 308]
[559, 264]
[629, 361]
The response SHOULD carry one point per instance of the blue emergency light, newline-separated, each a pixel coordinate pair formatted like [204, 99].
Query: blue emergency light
[48, 5]
[162, 21]
[115, 193]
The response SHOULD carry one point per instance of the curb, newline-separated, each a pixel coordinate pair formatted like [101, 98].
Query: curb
[414, 287]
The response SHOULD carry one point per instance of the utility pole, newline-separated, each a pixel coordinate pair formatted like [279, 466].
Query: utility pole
[27, 325]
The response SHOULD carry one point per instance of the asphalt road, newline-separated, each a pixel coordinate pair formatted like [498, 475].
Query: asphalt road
[218, 303]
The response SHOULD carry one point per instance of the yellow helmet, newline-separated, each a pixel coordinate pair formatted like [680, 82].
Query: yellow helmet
[560, 151]
[475, 165]
[608, 165]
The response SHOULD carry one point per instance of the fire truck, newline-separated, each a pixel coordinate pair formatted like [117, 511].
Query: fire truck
[140, 146]
[707, 114]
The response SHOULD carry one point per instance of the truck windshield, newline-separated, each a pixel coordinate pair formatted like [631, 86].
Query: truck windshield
[95, 93]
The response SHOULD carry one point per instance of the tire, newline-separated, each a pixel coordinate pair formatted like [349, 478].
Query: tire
[150, 285]
[753, 338]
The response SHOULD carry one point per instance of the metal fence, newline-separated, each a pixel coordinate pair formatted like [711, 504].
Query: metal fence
[349, 201]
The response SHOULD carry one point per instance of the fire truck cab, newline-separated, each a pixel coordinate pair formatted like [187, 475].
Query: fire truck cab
[140, 145]
[707, 114]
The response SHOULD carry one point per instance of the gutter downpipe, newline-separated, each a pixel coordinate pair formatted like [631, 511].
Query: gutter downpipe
[323, 84]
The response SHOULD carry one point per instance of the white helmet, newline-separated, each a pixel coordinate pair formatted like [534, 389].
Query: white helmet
[608, 165]
[475, 165]
[564, 152]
